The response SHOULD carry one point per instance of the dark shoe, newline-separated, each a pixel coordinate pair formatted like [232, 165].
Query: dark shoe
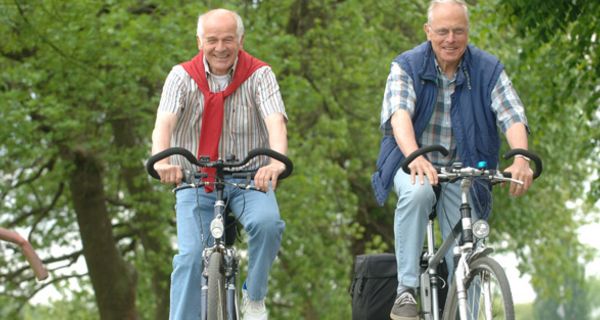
[405, 307]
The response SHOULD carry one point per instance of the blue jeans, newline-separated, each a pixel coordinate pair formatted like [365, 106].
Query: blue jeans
[415, 202]
[257, 212]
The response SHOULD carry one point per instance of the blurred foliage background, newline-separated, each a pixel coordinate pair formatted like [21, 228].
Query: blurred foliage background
[80, 82]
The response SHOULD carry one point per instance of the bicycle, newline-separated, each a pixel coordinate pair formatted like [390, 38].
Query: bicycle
[36, 264]
[480, 287]
[220, 261]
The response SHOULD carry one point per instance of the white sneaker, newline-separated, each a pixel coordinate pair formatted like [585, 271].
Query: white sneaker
[253, 310]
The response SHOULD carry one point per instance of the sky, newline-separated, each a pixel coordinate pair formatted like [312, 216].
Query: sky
[520, 284]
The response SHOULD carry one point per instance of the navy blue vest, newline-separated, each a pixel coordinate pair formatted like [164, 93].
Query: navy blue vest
[473, 121]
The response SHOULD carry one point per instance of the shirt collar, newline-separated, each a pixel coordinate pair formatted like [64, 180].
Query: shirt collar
[441, 73]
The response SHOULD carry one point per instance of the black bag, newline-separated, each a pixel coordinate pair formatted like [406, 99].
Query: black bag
[373, 287]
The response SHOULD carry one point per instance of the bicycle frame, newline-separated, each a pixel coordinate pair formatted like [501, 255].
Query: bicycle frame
[227, 256]
[467, 250]
[429, 280]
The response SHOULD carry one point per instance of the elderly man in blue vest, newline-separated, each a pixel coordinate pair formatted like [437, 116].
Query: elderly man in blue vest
[444, 91]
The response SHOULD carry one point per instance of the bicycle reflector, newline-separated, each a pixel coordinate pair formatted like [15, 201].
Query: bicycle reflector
[481, 164]
[481, 229]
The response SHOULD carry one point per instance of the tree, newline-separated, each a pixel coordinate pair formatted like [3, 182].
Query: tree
[80, 86]
[71, 171]
[332, 59]
[560, 65]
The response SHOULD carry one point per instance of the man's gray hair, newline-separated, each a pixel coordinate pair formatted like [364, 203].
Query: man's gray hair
[240, 24]
[433, 3]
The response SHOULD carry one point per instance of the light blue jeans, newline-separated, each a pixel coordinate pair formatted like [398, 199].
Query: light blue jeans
[415, 203]
[257, 212]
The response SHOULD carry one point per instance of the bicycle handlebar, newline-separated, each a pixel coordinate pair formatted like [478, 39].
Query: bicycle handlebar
[420, 152]
[526, 153]
[438, 148]
[206, 163]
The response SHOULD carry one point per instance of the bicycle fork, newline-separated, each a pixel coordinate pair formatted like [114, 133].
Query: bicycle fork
[203, 297]
[232, 307]
[462, 269]
[231, 268]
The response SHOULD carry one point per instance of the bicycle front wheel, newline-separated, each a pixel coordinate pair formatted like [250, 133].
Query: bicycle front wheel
[488, 293]
[217, 305]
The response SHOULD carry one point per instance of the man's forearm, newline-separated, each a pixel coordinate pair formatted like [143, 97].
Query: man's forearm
[161, 135]
[404, 133]
[277, 130]
[516, 135]
[160, 141]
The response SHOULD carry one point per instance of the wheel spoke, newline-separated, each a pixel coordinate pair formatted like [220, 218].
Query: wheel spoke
[488, 293]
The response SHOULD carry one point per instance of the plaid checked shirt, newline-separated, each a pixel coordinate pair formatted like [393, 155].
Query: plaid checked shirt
[400, 94]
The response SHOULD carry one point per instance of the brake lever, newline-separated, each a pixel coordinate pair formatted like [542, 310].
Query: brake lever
[506, 179]
[186, 186]
[244, 186]
[514, 180]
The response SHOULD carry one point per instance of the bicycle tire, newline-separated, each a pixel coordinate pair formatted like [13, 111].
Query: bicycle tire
[483, 270]
[216, 295]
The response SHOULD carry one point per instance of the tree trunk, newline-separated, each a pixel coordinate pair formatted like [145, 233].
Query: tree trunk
[148, 225]
[112, 278]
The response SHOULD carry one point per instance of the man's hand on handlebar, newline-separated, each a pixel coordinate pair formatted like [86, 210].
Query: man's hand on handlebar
[280, 168]
[268, 173]
[521, 171]
[169, 174]
[421, 167]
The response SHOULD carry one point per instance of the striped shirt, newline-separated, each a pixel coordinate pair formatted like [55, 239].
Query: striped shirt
[400, 94]
[244, 128]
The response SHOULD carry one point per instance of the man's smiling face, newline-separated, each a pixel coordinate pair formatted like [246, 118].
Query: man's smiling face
[220, 42]
[448, 31]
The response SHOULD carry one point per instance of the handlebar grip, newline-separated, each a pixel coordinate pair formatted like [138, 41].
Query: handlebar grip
[167, 153]
[289, 166]
[421, 152]
[534, 157]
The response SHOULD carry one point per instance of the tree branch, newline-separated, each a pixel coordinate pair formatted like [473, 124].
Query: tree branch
[41, 211]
